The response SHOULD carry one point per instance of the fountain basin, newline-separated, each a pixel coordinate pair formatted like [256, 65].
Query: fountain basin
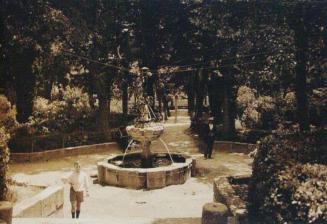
[111, 172]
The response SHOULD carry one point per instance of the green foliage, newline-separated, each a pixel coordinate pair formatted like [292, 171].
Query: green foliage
[289, 177]
[256, 112]
[4, 159]
[69, 109]
[7, 123]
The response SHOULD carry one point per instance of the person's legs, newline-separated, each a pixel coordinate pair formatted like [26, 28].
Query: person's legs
[209, 152]
[210, 146]
[74, 205]
[80, 199]
[165, 107]
[205, 150]
[78, 209]
[73, 200]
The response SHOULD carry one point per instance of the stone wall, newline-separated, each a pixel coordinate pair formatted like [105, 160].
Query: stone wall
[234, 147]
[43, 204]
[225, 193]
[58, 153]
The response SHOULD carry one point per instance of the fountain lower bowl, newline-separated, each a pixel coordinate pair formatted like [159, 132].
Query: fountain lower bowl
[111, 172]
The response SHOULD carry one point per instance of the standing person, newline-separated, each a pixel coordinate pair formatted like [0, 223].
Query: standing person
[210, 141]
[205, 128]
[79, 184]
[164, 98]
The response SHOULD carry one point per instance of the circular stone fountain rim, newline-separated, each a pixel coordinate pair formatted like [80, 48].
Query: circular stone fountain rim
[173, 166]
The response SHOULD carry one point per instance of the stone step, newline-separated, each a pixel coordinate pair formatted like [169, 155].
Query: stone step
[82, 221]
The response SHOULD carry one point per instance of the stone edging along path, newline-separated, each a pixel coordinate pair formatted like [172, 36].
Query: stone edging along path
[234, 147]
[59, 153]
[43, 204]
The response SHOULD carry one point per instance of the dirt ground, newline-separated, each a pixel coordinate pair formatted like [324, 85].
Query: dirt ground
[173, 204]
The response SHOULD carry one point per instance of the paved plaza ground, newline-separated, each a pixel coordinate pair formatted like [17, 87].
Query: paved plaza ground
[169, 205]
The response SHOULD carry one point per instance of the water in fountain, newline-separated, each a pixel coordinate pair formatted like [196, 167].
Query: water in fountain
[165, 145]
[129, 144]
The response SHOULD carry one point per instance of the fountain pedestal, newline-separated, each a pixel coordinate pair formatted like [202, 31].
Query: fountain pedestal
[146, 155]
[145, 134]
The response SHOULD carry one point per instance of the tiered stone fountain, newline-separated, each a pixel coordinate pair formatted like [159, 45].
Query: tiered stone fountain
[144, 169]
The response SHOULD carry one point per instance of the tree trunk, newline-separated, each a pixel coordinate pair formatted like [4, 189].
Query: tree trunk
[104, 111]
[190, 94]
[125, 99]
[301, 42]
[216, 92]
[201, 88]
[228, 110]
[103, 86]
[24, 85]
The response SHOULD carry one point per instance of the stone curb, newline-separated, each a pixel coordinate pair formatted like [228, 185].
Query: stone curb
[58, 153]
[43, 204]
[234, 147]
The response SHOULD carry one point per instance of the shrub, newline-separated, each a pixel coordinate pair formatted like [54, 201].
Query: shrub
[256, 112]
[245, 97]
[68, 109]
[7, 123]
[289, 177]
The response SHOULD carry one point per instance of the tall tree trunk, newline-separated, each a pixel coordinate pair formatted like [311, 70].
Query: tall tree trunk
[24, 85]
[201, 88]
[216, 92]
[190, 93]
[228, 109]
[125, 98]
[301, 42]
[104, 111]
[103, 86]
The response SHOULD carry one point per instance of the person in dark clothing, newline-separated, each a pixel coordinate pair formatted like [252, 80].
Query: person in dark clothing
[164, 97]
[210, 141]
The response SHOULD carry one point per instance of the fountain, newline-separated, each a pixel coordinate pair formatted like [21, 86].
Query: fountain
[144, 131]
[144, 169]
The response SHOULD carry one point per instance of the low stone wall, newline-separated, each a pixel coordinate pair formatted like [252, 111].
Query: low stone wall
[43, 204]
[225, 193]
[58, 153]
[234, 147]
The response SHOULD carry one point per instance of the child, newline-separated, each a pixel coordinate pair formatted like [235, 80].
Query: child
[79, 183]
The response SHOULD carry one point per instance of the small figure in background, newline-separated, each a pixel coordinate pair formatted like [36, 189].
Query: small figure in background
[210, 142]
[79, 184]
[164, 97]
[205, 128]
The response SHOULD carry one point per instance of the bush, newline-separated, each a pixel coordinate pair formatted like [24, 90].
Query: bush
[256, 112]
[289, 177]
[7, 123]
[252, 135]
[69, 109]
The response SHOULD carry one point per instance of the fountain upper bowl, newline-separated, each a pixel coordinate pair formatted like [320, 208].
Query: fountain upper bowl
[149, 132]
